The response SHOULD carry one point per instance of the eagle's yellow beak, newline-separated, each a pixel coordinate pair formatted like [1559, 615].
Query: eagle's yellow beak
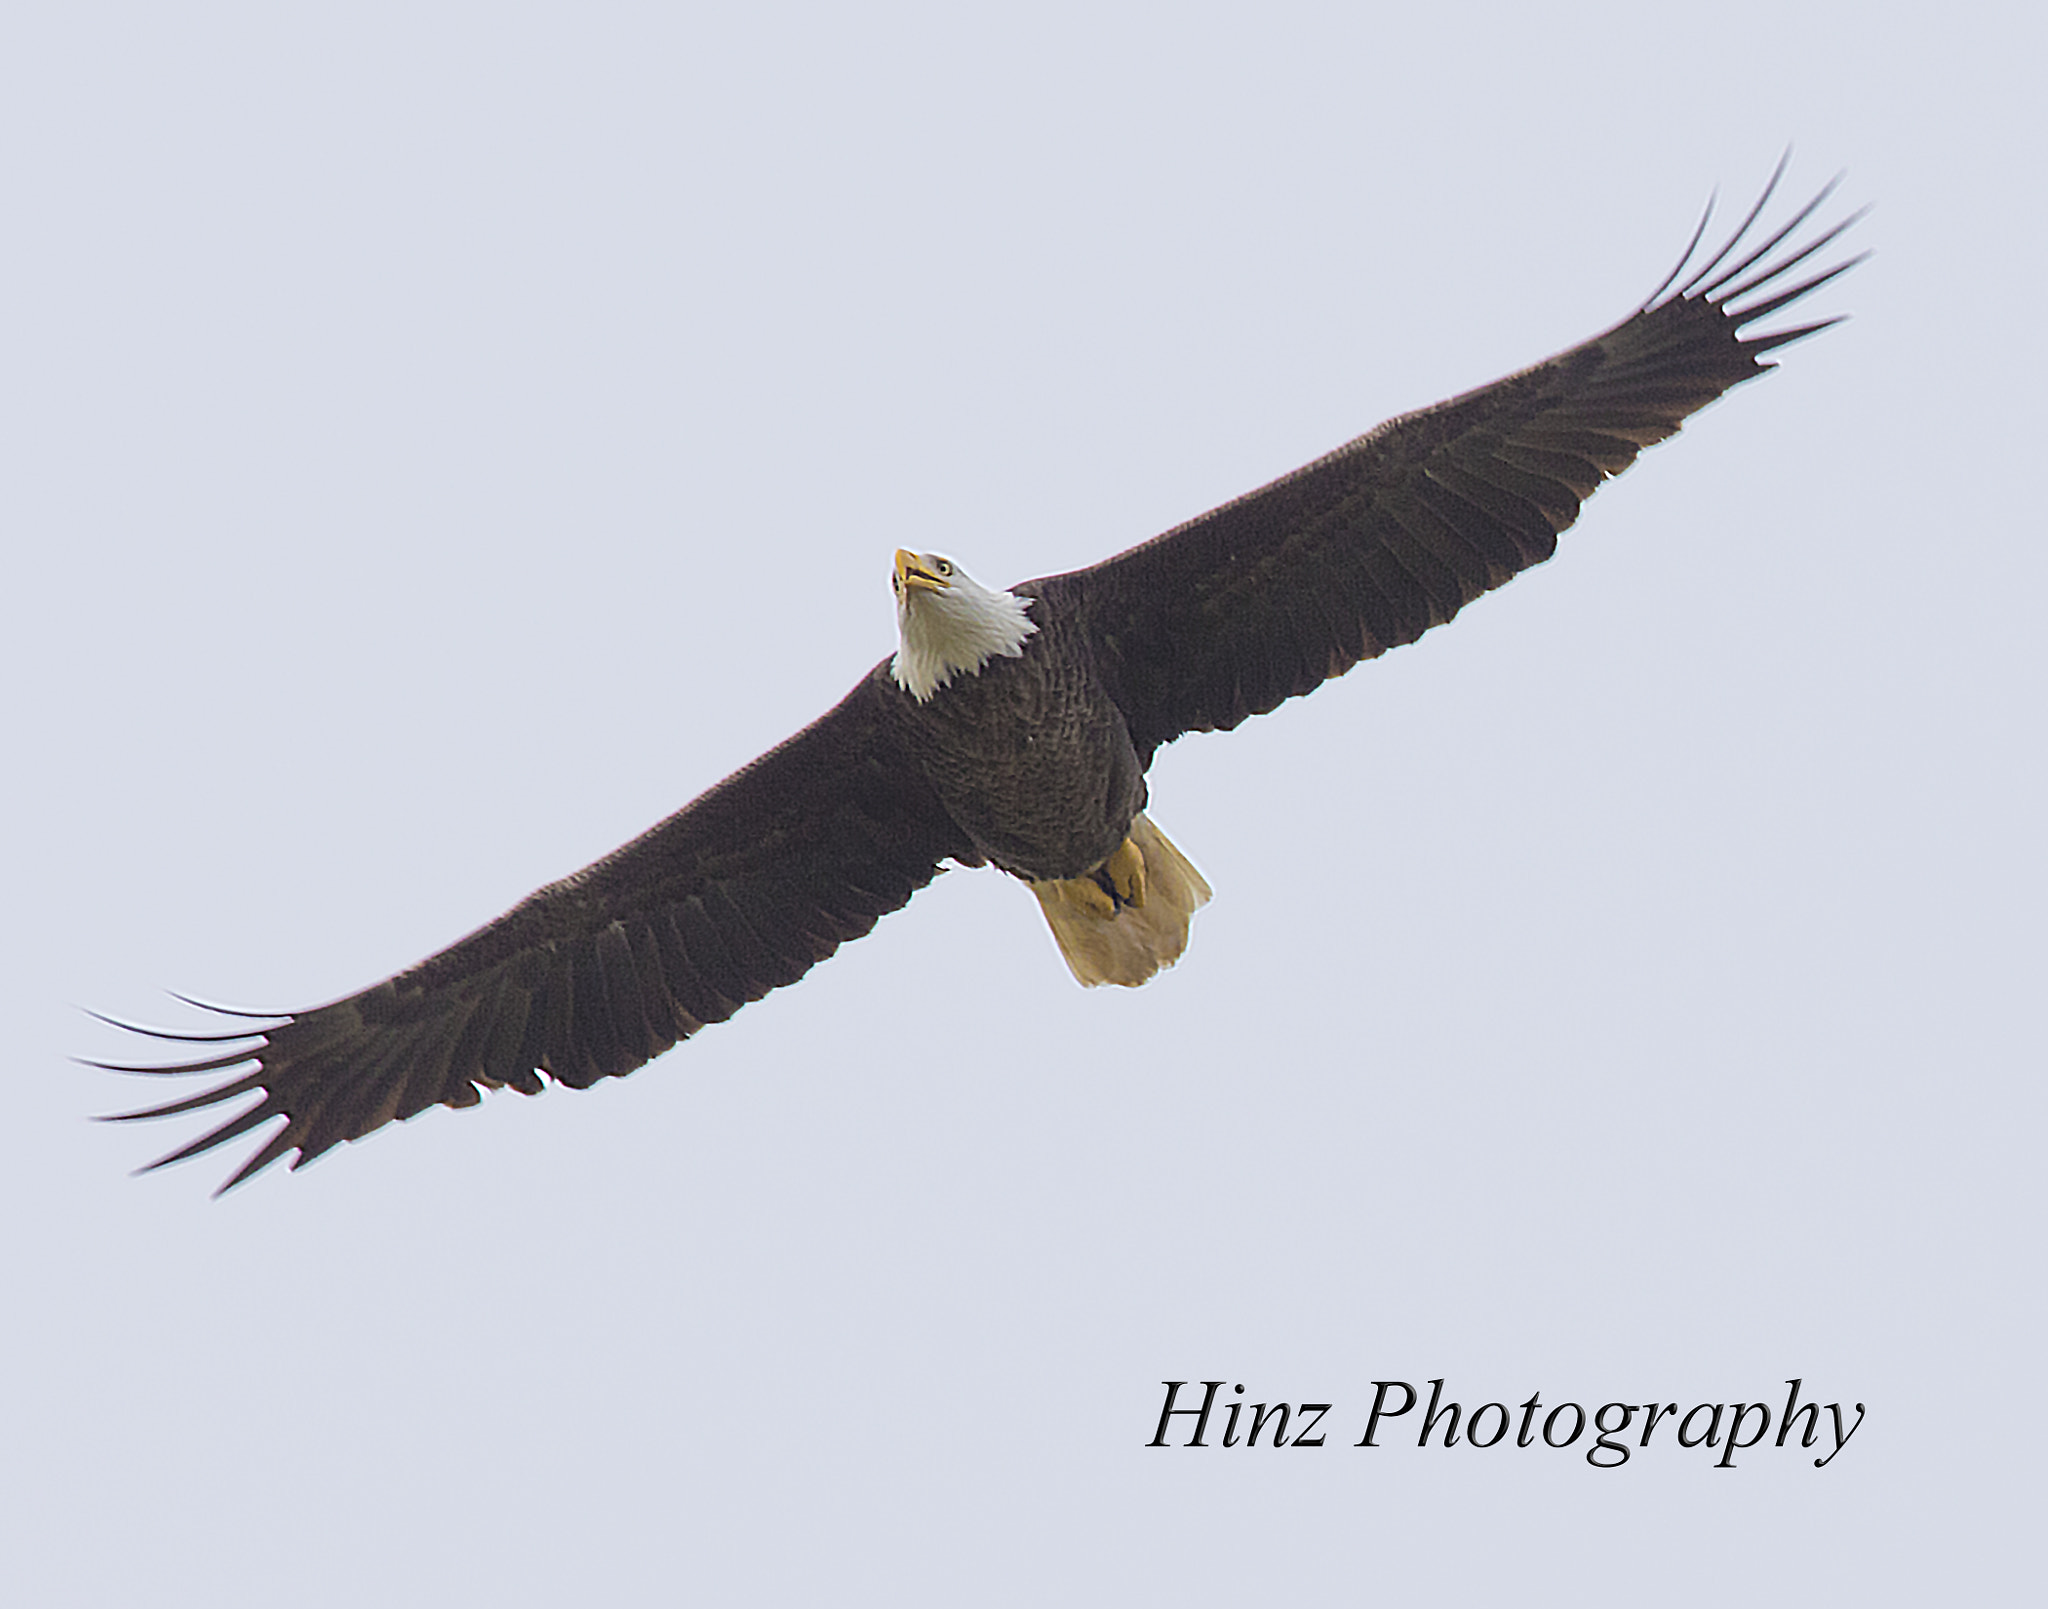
[910, 572]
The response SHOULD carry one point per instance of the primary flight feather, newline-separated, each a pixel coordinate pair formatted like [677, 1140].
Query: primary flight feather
[1015, 729]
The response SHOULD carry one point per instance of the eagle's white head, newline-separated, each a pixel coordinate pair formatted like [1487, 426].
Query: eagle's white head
[950, 622]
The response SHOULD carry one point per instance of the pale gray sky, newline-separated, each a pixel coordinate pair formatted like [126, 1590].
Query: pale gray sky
[445, 438]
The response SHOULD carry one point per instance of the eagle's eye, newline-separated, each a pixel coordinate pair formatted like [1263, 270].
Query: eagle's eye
[943, 566]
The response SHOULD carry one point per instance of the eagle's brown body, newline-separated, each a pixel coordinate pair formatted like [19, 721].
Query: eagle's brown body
[1031, 757]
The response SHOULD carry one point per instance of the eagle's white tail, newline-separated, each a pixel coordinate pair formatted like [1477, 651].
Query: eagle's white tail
[1129, 917]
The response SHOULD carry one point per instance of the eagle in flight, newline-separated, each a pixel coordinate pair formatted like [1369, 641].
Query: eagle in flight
[1014, 729]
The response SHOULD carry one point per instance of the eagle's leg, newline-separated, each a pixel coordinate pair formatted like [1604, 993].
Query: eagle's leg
[1117, 883]
[1124, 875]
[1090, 895]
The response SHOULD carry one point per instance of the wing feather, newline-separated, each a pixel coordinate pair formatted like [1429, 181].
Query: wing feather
[740, 892]
[1367, 548]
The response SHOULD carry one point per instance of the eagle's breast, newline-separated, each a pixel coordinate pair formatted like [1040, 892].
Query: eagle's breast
[1031, 756]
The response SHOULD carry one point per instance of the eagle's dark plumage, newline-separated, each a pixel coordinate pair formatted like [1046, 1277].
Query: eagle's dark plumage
[1033, 757]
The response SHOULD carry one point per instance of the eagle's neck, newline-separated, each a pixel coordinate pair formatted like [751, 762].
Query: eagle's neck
[959, 629]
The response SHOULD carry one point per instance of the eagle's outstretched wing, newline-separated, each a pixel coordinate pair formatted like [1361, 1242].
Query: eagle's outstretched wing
[1272, 594]
[741, 891]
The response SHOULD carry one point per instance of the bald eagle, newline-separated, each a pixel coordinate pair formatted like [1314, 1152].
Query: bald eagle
[1014, 729]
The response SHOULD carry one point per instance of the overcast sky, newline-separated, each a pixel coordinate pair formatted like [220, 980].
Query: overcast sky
[442, 439]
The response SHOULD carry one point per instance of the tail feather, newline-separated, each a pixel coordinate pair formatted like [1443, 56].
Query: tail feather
[1110, 938]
